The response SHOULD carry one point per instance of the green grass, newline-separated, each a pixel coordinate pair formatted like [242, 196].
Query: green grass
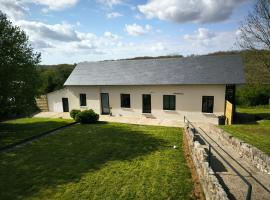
[254, 132]
[262, 110]
[15, 130]
[101, 161]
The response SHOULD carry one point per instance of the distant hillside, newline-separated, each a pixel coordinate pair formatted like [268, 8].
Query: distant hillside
[153, 57]
[64, 65]
[52, 77]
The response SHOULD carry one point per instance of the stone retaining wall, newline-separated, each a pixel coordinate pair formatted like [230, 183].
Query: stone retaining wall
[42, 103]
[258, 158]
[210, 184]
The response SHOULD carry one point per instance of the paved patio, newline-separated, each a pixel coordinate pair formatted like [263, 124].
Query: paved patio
[143, 120]
[64, 115]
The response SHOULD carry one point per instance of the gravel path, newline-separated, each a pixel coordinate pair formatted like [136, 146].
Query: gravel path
[235, 173]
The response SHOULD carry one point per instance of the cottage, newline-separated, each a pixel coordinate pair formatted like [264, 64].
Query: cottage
[168, 88]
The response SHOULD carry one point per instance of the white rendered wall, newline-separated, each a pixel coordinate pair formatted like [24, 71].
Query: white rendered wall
[188, 100]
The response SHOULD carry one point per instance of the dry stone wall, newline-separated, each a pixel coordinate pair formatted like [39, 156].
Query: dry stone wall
[258, 158]
[42, 103]
[210, 184]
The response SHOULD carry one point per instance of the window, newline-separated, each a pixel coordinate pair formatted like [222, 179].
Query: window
[125, 100]
[82, 99]
[168, 102]
[207, 104]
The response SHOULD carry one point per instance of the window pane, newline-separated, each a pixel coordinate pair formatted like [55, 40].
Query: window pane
[172, 102]
[165, 102]
[168, 102]
[125, 100]
[82, 99]
[207, 104]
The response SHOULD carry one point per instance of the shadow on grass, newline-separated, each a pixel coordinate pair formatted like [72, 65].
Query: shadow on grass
[248, 118]
[66, 156]
[14, 132]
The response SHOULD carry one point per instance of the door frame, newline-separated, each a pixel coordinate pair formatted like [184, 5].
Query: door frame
[65, 98]
[143, 110]
[102, 112]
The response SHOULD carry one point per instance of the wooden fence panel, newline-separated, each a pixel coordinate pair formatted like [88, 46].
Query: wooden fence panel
[229, 113]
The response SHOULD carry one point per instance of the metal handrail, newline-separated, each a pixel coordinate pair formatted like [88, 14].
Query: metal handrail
[249, 191]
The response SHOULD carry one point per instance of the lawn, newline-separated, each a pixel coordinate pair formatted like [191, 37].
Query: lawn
[101, 161]
[15, 130]
[254, 132]
[260, 111]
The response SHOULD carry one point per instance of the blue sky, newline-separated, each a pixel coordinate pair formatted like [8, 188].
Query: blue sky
[72, 31]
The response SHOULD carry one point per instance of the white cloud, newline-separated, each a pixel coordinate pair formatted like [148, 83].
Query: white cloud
[40, 44]
[13, 9]
[83, 45]
[119, 44]
[86, 36]
[114, 15]
[111, 35]
[111, 46]
[58, 32]
[135, 30]
[63, 38]
[189, 11]
[17, 9]
[204, 41]
[201, 35]
[55, 4]
[61, 42]
[110, 3]
[158, 47]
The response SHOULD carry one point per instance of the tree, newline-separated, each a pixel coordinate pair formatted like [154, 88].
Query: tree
[18, 74]
[255, 34]
[53, 76]
[252, 95]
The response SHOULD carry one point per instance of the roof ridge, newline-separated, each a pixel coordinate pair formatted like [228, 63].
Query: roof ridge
[147, 59]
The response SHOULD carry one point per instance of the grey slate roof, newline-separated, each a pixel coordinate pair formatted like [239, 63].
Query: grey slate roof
[190, 70]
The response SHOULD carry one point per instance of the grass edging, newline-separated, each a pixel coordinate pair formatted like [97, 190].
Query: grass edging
[26, 140]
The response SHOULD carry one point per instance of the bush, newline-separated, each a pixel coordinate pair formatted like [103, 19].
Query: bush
[253, 95]
[73, 113]
[87, 117]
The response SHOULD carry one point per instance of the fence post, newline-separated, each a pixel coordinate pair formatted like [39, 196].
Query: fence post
[209, 156]
[249, 192]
